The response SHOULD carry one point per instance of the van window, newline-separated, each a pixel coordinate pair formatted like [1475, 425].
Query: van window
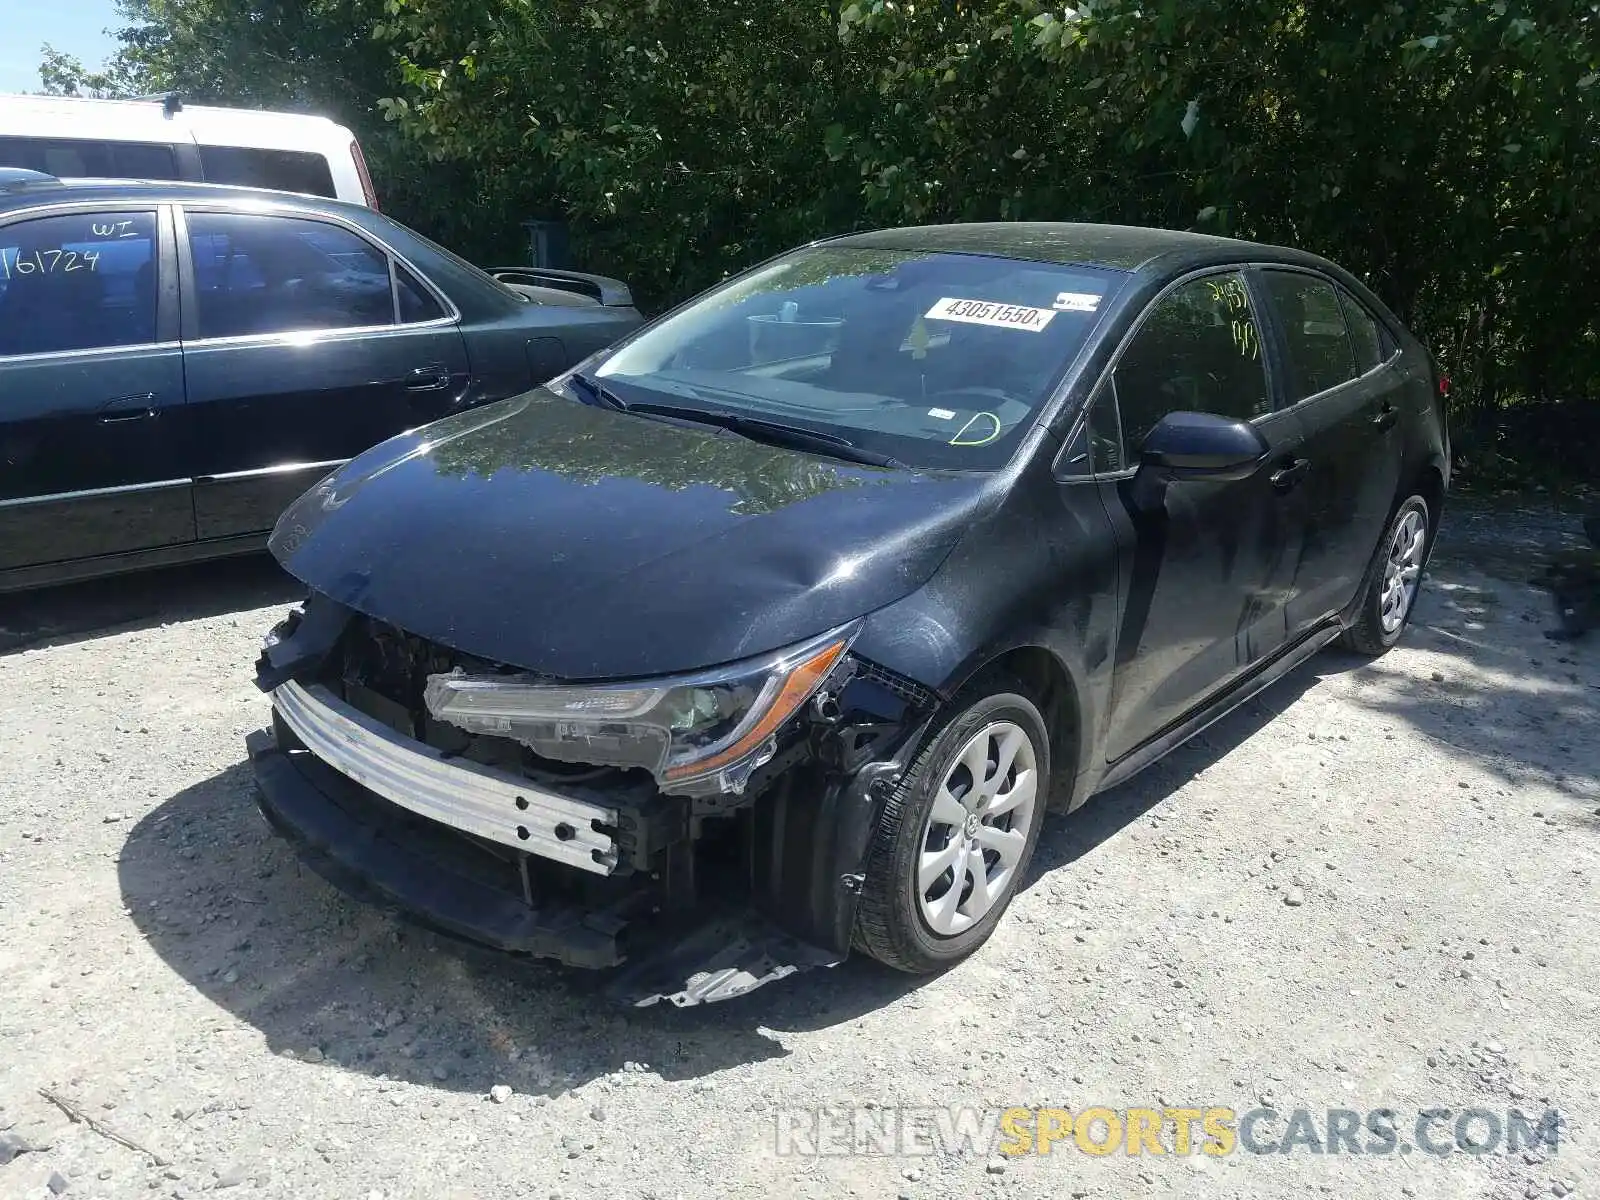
[87, 158]
[77, 282]
[281, 170]
[259, 274]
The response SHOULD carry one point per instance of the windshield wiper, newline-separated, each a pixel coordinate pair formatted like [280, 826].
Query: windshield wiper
[598, 392]
[775, 433]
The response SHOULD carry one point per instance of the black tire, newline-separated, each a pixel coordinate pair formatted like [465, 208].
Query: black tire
[1367, 636]
[889, 922]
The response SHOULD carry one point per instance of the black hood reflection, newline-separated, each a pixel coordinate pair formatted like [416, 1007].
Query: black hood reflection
[589, 544]
[567, 440]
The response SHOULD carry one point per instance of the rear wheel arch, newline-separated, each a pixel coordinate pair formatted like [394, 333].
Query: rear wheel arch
[1428, 482]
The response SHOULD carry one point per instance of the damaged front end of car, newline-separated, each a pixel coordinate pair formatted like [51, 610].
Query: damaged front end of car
[698, 835]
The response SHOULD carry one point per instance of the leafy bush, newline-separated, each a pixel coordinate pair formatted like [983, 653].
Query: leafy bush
[1445, 151]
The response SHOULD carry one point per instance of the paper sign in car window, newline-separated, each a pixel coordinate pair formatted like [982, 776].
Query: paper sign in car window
[989, 312]
[1076, 302]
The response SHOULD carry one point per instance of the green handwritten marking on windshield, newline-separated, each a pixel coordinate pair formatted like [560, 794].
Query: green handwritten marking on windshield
[961, 438]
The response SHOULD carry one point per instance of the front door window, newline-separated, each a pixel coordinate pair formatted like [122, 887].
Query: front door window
[1199, 350]
[79, 281]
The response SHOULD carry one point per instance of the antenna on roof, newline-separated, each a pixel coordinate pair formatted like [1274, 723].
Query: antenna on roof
[171, 102]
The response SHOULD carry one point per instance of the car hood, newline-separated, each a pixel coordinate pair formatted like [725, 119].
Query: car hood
[584, 544]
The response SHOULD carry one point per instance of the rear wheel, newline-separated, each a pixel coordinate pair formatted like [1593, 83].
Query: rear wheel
[955, 839]
[1395, 579]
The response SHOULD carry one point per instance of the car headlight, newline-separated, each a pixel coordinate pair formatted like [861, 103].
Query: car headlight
[697, 734]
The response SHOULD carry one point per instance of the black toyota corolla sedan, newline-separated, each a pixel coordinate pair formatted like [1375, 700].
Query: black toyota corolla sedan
[776, 629]
[180, 361]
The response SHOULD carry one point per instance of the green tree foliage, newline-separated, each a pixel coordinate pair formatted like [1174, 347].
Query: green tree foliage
[1447, 150]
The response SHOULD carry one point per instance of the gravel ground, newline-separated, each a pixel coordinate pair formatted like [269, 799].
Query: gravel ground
[1373, 887]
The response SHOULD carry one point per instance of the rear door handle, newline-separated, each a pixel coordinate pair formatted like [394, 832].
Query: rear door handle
[138, 407]
[1285, 478]
[431, 378]
[1386, 416]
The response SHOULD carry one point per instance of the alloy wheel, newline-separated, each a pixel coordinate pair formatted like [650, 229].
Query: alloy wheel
[977, 828]
[1402, 570]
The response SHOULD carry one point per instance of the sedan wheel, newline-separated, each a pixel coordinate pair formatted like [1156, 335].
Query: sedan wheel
[955, 839]
[974, 837]
[1403, 569]
[1394, 577]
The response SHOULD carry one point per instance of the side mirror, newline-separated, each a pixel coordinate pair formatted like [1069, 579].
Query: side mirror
[1194, 445]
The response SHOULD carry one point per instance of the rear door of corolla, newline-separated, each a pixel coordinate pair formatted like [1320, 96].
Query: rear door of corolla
[305, 343]
[1345, 397]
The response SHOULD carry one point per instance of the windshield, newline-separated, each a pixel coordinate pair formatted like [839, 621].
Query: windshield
[938, 360]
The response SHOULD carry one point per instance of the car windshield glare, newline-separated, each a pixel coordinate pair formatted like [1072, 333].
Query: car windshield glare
[941, 361]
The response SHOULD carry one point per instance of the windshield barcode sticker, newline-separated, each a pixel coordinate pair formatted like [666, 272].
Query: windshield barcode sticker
[985, 312]
[1077, 302]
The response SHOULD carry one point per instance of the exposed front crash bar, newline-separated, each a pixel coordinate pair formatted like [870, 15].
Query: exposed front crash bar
[464, 795]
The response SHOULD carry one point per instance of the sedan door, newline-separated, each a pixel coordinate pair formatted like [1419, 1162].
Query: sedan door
[1205, 567]
[1347, 405]
[91, 381]
[305, 343]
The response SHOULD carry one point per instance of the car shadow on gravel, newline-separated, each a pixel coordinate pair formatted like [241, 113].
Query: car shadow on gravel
[79, 611]
[1066, 841]
[229, 908]
[1499, 694]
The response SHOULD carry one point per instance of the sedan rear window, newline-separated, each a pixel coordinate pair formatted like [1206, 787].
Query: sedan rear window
[939, 360]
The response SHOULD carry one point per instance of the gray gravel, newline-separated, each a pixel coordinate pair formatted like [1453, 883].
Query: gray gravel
[1373, 887]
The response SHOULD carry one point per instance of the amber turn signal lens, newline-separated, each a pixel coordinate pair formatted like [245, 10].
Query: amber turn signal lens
[802, 681]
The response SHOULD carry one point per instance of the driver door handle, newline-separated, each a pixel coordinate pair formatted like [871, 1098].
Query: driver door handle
[1285, 478]
[1386, 416]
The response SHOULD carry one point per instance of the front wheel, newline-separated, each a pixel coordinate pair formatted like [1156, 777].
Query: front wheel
[1394, 580]
[956, 837]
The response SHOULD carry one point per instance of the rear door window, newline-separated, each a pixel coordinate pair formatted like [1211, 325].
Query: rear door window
[88, 158]
[257, 274]
[1314, 332]
[77, 282]
[281, 170]
[1365, 338]
[417, 303]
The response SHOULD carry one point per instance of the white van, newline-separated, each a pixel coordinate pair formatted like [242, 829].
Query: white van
[163, 138]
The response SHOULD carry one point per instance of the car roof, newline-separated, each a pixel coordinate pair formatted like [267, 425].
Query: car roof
[1125, 247]
[41, 190]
